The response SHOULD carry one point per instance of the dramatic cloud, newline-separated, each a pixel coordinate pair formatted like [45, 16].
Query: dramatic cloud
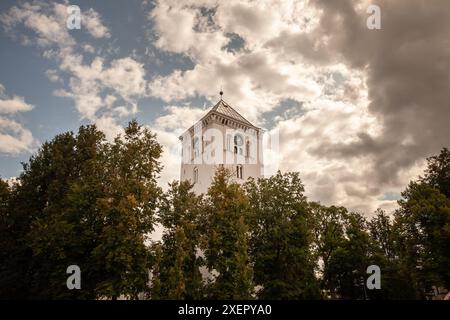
[407, 65]
[251, 76]
[371, 104]
[357, 110]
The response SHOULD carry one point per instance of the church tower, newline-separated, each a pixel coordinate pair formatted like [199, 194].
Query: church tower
[222, 137]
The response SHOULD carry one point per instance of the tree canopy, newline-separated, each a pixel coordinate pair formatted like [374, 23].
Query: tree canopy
[82, 200]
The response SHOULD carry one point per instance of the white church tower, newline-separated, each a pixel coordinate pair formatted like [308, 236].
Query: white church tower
[222, 137]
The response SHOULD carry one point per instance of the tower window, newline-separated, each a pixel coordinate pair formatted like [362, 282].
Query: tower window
[196, 147]
[238, 143]
[247, 149]
[195, 175]
[239, 171]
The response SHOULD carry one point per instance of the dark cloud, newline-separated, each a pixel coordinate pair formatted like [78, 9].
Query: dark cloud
[408, 78]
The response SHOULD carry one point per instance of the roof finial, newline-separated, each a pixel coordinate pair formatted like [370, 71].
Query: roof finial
[221, 93]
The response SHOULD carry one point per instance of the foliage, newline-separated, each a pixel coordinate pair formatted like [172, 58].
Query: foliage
[179, 262]
[83, 201]
[280, 239]
[226, 244]
[86, 201]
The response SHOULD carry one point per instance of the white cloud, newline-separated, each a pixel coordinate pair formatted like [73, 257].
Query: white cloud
[332, 180]
[126, 77]
[14, 137]
[99, 89]
[176, 37]
[109, 127]
[48, 22]
[53, 75]
[171, 156]
[87, 82]
[13, 105]
[91, 20]
[253, 78]
[88, 48]
[179, 119]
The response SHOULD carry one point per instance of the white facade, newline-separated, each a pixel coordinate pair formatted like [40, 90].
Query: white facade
[221, 138]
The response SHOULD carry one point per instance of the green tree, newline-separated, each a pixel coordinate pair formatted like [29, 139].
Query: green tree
[346, 271]
[127, 211]
[179, 214]
[396, 281]
[7, 245]
[226, 243]
[280, 238]
[423, 227]
[327, 227]
[81, 200]
[66, 173]
[437, 174]
[155, 281]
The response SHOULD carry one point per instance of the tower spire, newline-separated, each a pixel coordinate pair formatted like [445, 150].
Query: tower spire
[221, 93]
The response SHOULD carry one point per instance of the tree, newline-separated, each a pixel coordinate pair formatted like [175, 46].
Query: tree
[66, 229]
[81, 200]
[346, 271]
[155, 280]
[226, 243]
[179, 214]
[328, 230]
[382, 232]
[437, 174]
[396, 281]
[127, 211]
[7, 244]
[423, 227]
[280, 239]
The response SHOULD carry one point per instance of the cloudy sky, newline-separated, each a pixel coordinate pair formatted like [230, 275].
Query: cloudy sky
[357, 110]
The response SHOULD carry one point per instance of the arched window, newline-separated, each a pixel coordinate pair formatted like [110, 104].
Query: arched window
[238, 144]
[239, 171]
[196, 146]
[195, 175]
[247, 149]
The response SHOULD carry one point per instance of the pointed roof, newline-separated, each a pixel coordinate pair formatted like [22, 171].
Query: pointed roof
[225, 109]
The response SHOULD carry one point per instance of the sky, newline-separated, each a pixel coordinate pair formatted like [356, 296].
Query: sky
[357, 110]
